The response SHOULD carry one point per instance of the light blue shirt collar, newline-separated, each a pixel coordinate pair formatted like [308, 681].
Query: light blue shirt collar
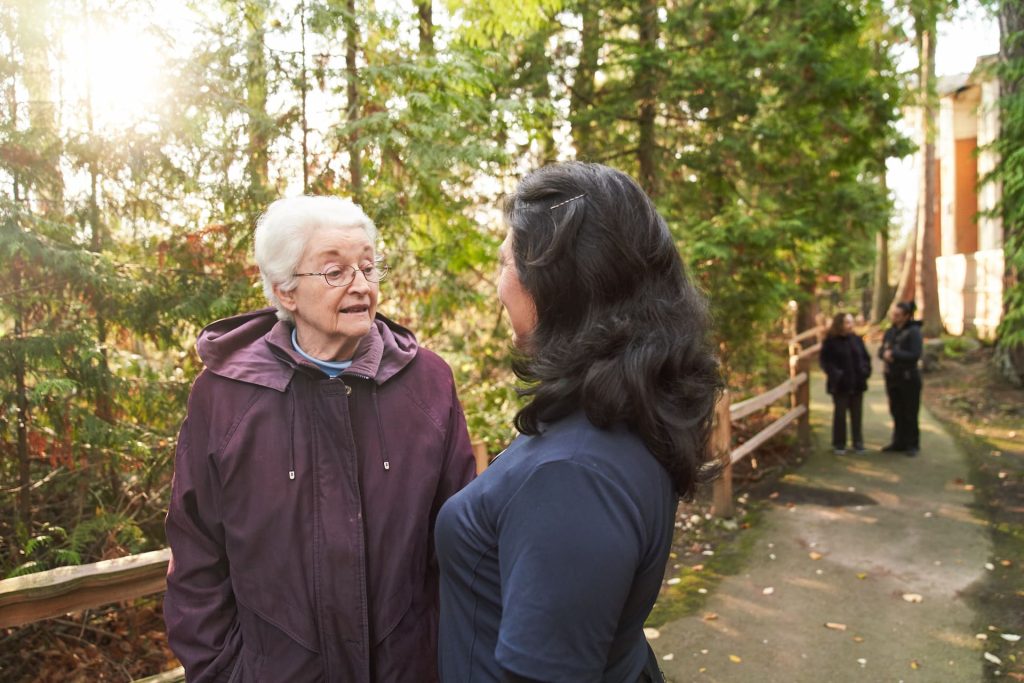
[332, 368]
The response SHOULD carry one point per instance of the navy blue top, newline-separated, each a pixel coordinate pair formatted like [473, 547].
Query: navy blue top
[552, 559]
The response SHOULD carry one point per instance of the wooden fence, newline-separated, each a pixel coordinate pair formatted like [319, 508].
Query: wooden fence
[797, 387]
[52, 593]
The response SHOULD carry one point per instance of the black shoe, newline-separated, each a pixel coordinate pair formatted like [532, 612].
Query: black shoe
[892, 448]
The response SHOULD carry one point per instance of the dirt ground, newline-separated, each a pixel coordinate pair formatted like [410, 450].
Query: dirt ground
[985, 414]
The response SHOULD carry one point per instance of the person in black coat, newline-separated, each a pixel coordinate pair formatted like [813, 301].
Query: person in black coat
[901, 349]
[847, 365]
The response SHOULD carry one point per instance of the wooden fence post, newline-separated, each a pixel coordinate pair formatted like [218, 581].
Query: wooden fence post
[482, 457]
[801, 396]
[721, 447]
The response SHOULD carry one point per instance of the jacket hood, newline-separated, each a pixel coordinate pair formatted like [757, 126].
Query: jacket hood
[257, 348]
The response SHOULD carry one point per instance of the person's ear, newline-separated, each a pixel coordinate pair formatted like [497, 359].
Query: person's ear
[287, 299]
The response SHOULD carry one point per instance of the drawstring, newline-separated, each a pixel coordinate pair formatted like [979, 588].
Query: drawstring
[380, 427]
[291, 461]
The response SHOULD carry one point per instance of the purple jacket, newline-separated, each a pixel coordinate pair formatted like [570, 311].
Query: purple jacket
[302, 510]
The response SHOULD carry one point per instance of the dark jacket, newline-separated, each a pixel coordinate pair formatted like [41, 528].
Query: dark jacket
[302, 509]
[846, 363]
[906, 344]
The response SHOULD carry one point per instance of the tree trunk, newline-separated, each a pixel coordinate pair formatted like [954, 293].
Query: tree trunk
[355, 166]
[581, 101]
[425, 13]
[646, 85]
[908, 272]
[927, 278]
[104, 407]
[257, 151]
[304, 87]
[1010, 351]
[48, 185]
[880, 289]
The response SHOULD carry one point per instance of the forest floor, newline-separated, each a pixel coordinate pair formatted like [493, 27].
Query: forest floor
[872, 566]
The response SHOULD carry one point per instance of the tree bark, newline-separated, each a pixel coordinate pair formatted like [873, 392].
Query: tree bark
[304, 87]
[425, 13]
[257, 150]
[880, 288]
[927, 277]
[581, 101]
[48, 186]
[1010, 355]
[646, 86]
[355, 166]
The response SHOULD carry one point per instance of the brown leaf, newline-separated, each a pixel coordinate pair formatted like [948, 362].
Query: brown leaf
[835, 626]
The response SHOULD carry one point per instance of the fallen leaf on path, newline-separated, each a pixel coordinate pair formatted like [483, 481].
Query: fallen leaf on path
[1006, 563]
[710, 616]
[989, 566]
[858, 639]
[697, 567]
[669, 657]
[861, 575]
[1012, 637]
[773, 495]
[912, 597]
[982, 636]
[914, 664]
[834, 626]
[863, 662]
[651, 633]
[734, 659]
[992, 658]
[673, 581]
[768, 591]
[814, 555]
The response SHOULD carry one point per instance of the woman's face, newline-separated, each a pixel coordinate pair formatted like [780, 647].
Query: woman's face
[522, 313]
[848, 324]
[897, 316]
[330, 321]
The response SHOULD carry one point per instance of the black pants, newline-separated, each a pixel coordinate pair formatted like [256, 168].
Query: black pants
[904, 390]
[854, 405]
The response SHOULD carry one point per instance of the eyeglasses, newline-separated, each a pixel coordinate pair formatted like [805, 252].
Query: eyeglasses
[343, 276]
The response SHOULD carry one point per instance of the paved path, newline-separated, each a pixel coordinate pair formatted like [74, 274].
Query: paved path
[885, 525]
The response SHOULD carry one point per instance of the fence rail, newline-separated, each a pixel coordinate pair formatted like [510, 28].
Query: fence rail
[34, 597]
[797, 387]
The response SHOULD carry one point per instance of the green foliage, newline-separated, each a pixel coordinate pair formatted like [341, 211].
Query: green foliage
[761, 128]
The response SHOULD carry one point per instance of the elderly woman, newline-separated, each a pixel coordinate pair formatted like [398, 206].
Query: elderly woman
[319, 444]
[552, 559]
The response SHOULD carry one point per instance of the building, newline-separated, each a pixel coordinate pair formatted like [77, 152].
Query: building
[970, 262]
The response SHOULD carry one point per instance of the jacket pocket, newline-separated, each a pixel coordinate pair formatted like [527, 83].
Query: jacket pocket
[273, 653]
[386, 616]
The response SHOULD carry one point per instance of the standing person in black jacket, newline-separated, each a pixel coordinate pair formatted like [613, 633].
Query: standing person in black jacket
[847, 364]
[901, 349]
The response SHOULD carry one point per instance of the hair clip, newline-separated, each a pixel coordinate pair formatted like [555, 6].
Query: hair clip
[570, 199]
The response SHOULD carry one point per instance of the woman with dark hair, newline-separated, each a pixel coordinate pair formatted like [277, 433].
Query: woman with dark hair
[901, 349]
[847, 366]
[552, 559]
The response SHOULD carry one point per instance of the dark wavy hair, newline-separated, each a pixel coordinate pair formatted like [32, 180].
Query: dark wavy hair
[836, 328]
[621, 330]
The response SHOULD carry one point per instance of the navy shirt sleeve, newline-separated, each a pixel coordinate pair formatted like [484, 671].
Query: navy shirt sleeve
[569, 544]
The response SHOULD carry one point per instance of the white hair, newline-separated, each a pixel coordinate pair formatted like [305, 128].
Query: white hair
[285, 230]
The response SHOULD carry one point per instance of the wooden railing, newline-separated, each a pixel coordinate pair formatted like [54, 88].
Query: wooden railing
[797, 387]
[47, 594]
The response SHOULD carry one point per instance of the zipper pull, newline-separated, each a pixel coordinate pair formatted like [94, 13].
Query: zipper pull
[387, 465]
[291, 474]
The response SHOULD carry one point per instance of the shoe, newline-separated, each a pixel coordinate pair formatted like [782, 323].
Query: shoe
[892, 448]
[858, 448]
[839, 451]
